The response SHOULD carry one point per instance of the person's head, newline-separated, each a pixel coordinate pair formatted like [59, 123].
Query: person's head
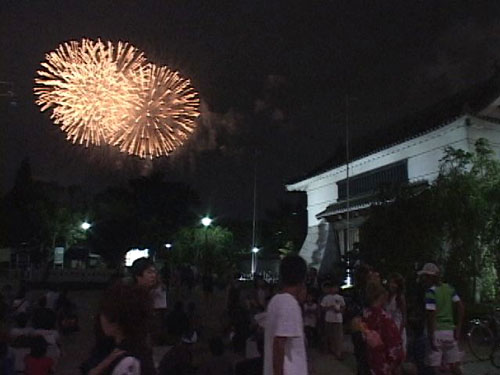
[144, 272]
[216, 346]
[21, 320]
[21, 293]
[124, 313]
[361, 274]
[293, 271]
[309, 297]
[429, 274]
[38, 347]
[42, 301]
[396, 283]
[376, 294]
[334, 288]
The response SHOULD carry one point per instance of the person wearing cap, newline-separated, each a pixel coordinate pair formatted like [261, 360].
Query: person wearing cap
[440, 301]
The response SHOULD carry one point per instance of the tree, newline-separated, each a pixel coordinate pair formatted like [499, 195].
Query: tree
[39, 215]
[454, 222]
[145, 214]
[210, 248]
[402, 231]
[465, 191]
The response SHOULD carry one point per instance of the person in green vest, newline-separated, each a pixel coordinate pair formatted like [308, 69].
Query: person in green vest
[441, 301]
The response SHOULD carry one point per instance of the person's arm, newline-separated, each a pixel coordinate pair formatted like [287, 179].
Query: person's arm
[404, 312]
[431, 327]
[460, 318]
[104, 364]
[278, 354]
[430, 314]
[342, 305]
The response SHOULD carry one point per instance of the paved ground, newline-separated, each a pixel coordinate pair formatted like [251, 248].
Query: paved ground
[76, 347]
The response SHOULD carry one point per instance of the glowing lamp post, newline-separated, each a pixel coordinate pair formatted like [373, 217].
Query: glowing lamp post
[85, 225]
[255, 251]
[206, 221]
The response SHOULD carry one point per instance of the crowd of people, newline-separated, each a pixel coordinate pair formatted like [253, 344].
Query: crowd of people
[376, 314]
[30, 332]
[264, 329]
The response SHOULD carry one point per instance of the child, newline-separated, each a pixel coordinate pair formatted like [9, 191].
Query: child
[37, 362]
[333, 305]
[311, 312]
[21, 340]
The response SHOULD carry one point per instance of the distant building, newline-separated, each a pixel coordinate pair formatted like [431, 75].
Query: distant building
[414, 159]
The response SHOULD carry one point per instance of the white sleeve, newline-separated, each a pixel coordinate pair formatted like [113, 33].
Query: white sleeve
[325, 302]
[127, 366]
[288, 322]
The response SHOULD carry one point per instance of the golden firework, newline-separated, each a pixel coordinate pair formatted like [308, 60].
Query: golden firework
[163, 117]
[90, 87]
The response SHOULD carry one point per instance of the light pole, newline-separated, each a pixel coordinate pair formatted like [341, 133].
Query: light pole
[206, 221]
[255, 250]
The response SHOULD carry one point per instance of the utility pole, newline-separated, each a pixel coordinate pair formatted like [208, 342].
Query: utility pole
[348, 193]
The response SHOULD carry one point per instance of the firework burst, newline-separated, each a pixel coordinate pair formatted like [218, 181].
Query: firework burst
[108, 93]
[163, 117]
[90, 87]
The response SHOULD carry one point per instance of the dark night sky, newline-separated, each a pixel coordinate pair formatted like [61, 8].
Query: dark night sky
[272, 76]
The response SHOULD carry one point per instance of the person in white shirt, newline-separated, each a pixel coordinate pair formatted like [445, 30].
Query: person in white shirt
[284, 346]
[333, 305]
[311, 313]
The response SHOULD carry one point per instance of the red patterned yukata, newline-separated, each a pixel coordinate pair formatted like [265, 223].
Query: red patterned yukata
[385, 358]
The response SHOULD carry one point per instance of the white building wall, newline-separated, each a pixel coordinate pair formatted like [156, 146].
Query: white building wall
[422, 153]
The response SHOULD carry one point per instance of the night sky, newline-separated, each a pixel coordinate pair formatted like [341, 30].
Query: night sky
[272, 76]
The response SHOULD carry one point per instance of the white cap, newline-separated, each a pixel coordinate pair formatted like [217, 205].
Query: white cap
[429, 269]
[190, 338]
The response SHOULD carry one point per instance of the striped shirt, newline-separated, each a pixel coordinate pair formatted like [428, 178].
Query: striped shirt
[440, 298]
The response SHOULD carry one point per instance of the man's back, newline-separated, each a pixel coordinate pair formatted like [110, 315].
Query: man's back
[284, 319]
[441, 298]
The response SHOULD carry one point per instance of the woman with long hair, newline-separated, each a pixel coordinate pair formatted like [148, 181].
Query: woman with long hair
[124, 316]
[396, 304]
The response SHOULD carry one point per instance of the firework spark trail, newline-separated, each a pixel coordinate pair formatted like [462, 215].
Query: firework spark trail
[164, 117]
[90, 87]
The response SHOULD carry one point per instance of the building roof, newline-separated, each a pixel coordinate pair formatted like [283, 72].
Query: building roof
[470, 101]
[365, 201]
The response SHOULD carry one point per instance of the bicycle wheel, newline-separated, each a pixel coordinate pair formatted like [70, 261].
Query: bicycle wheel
[481, 341]
[495, 357]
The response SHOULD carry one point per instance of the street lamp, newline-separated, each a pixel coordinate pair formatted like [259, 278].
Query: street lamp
[168, 245]
[85, 225]
[255, 250]
[206, 221]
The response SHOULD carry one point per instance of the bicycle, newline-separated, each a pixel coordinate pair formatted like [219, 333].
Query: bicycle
[483, 339]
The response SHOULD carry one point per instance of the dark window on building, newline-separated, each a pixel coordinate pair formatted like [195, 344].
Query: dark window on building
[388, 176]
